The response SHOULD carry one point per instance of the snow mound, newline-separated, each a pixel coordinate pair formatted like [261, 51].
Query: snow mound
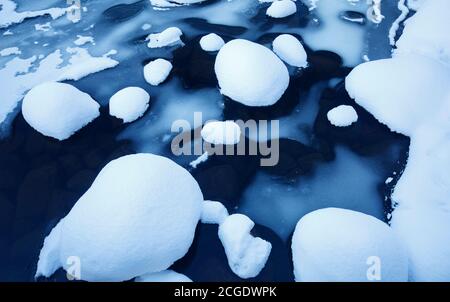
[290, 50]
[424, 32]
[129, 104]
[281, 9]
[250, 73]
[341, 245]
[211, 42]
[400, 92]
[168, 37]
[213, 212]
[164, 276]
[246, 254]
[58, 110]
[157, 71]
[138, 217]
[221, 133]
[342, 116]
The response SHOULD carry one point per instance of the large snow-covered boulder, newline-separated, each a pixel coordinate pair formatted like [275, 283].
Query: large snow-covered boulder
[401, 92]
[342, 116]
[250, 73]
[168, 37]
[129, 104]
[58, 110]
[211, 42]
[138, 217]
[157, 71]
[290, 50]
[342, 245]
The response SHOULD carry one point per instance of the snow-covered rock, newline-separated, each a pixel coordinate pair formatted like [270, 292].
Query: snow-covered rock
[138, 217]
[157, 71]
[342, 116]
[425, 32]
[164, 276]
[211, 42]
[290, 50]
[281, 9]
[167, 37]
[129, 104]
[401, 92]
[250, 73]
[342, 245]
[247, 255]
[213, 212]
[221, 133]
[58, 110]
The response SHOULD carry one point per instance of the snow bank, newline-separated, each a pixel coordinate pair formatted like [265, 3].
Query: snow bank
[211, 42]
[290, 50]
[10, 51]
[341, 245]
[157, 71]
[221, 133]
[246, 254]
[58, 110]
[164, 276]
[250, 73]
[213, 212]
[425, 32]
[410, 93]
[129, 104]
[281, 9]
[342, 116]
[138, 217]
[168, 37]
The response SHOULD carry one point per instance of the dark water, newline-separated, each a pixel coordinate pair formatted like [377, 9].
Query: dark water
[41, 178]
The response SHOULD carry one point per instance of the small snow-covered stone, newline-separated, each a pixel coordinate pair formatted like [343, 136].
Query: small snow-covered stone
[164, 276]
[129, 104]
[342, 245]
[58, 110]
[211, 42]
[168, 37]
[221, 133]
[138, 217]
[281, 9]
[250, 73]
[290, 50]
[213, 212]
[157, 71]
[247, 255]
[342, 116]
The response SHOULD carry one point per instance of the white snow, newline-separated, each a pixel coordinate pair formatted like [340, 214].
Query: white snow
[247, 255]
[342, 116]
[168, 37]
[81, 40]
[412, 96]
[211, 42]
[157, 71]
[138, 217]
[58, 110]
[9, 15]
[250, 73]
[10, 51]
[290, 50]
[201, 159]
[425, 32]
[281, 9]
[213, 212]
[129, 104]
[43, 27]
[339, 245]
[164, 276]
[221, 133]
